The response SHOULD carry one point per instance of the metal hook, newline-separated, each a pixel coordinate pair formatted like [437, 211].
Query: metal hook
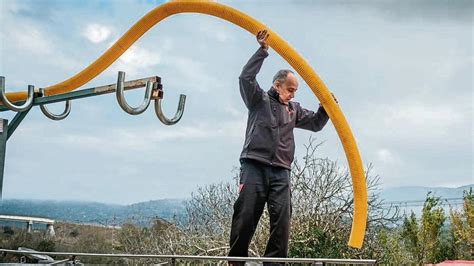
[25, 106]
[48, 114]
[177, 116]
[123, 103]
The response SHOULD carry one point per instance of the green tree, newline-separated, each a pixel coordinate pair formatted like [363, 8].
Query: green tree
[393, 252]
[424, 238]
[410, 234]
[462, 228]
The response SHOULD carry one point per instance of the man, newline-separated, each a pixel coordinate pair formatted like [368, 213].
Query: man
[267, 155]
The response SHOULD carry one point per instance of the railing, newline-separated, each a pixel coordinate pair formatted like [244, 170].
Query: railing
[173, 259]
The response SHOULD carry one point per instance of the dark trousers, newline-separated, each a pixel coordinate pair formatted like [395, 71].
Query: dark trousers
[260, 184]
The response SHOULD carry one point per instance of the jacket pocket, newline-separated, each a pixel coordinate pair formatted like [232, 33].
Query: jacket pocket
[249, 138]
[261, 140]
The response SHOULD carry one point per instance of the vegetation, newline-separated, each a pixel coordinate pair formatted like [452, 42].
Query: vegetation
[321, 223]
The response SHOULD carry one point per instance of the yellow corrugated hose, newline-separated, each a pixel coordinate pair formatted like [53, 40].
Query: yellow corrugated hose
[279, 45]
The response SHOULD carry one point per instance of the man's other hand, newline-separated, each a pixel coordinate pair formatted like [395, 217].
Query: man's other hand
[262, 39]
[334, 97]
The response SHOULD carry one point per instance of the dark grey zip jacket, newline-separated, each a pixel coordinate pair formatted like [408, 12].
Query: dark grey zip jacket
[269, 136]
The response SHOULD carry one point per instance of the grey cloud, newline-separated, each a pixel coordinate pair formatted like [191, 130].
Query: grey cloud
[432, 10]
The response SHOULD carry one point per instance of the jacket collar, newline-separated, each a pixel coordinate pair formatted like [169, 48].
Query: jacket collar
[274, 94]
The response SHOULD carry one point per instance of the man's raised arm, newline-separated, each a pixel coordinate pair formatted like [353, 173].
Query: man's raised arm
[249, 89]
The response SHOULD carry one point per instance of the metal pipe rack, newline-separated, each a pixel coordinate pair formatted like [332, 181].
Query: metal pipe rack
[36, 97]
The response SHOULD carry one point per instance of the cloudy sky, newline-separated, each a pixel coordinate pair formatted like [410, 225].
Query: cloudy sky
[402, 71]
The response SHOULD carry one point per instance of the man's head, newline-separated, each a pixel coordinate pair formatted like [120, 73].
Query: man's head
[286, 84]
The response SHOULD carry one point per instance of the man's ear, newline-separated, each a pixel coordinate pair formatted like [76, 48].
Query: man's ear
[276, 85]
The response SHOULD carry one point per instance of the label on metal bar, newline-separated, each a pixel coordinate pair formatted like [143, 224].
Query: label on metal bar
[132, 84]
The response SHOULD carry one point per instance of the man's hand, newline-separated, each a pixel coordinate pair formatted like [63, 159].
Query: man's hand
[262, 39]
[334, 97]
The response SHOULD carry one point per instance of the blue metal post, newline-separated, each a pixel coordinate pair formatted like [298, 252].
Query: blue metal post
[3, 147]
[16, 122]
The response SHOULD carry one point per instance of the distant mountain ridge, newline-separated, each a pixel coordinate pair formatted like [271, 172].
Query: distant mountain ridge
[96, 213]
[143, 213]
[412, 193]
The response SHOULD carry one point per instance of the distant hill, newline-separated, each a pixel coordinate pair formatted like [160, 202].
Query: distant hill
[96, 213]
[411, 198]
[168, 209]
[412, 193]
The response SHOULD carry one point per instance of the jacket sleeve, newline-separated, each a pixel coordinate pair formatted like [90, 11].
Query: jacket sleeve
[249, 89]
[310, 120]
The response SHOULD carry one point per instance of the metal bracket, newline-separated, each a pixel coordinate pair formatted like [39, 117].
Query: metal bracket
[52, 116]
[121, 98]
[17, 108]
[157, 92]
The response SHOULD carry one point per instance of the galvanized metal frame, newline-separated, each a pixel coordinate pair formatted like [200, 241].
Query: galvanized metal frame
[95, 91]
[7, 129]
[3, 147]
[12, 126]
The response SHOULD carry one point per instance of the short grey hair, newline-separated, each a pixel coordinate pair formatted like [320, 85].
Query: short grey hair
[281, 75]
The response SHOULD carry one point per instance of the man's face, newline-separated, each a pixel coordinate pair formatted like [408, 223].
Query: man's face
[287, 89]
